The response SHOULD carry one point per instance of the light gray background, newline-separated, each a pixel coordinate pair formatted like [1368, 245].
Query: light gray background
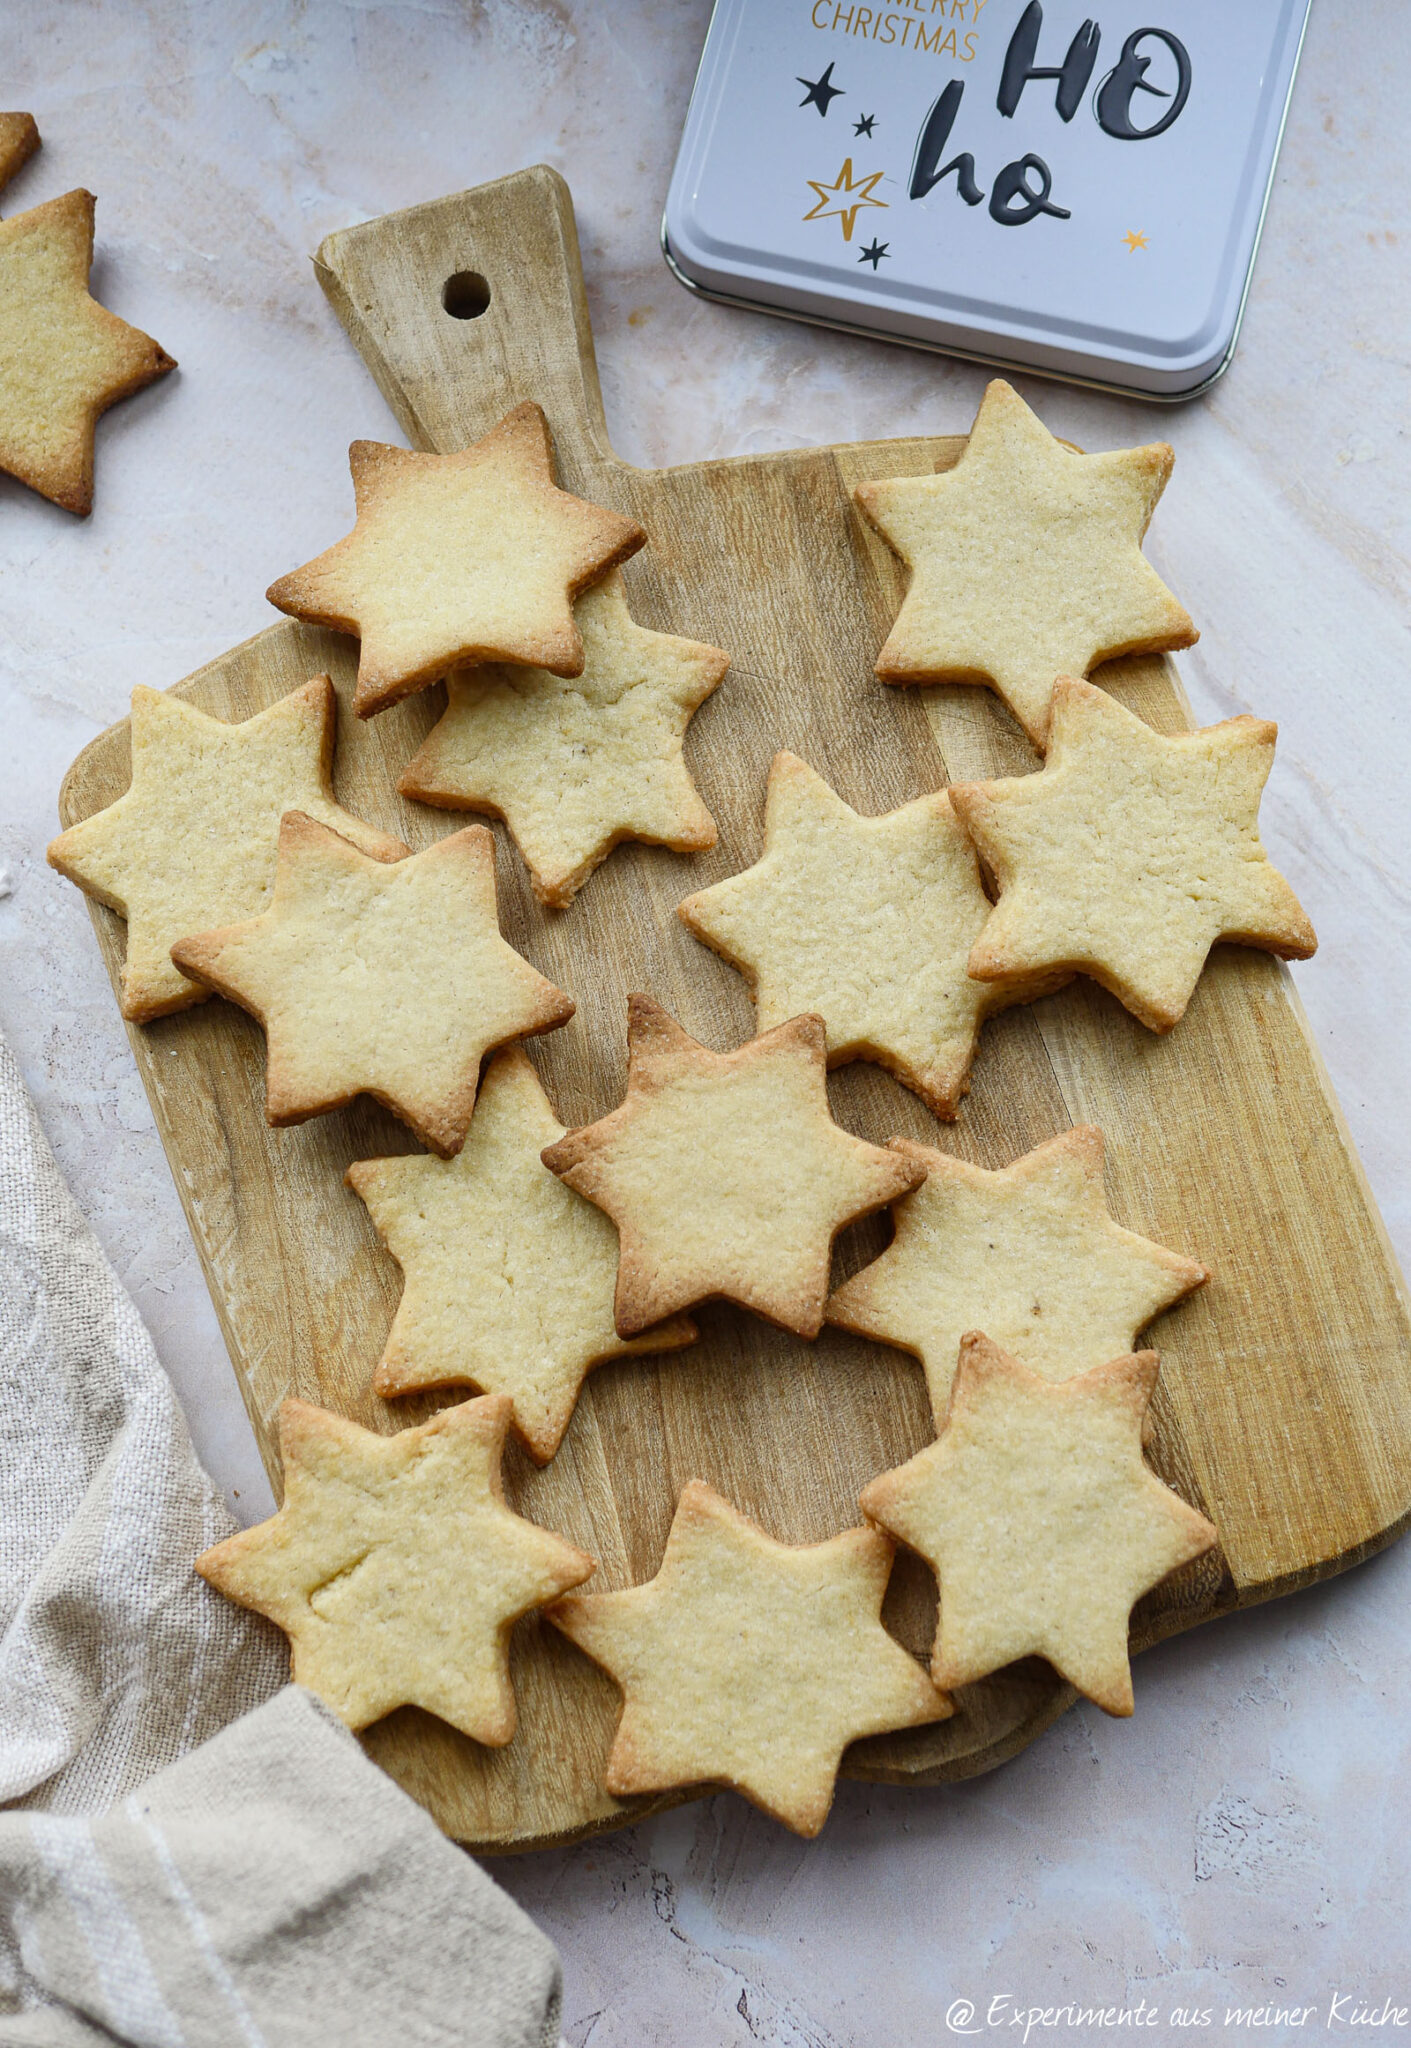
[1246, 1835]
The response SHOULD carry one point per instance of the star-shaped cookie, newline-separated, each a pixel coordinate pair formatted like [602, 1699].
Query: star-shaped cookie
[1129, 854]
[868, 922]
[64, 359]
[576, 765]
[1025, 560]
[1040, 1519]
[19, 139]
[1028, 1254]
[750, 1663]
[381, 978]
[395, 1568]
[456, 559]
[194, 840]
[509, 1273]
[725, 1173]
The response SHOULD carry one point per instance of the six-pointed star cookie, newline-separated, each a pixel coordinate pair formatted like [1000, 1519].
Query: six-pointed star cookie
[64, 359]
[749, 1663]
[19, 139]
[461, 558]
[384, 978]
[868, 922]
[725, 1173]
[1040, 1519]
[395, 1568]
[1028, 1254]
[1129, 854]
[1025, 560]
[575, 765]
[509, 1273]
[193, 842]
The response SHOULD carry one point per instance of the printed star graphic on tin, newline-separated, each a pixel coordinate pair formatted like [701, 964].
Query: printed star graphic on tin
[821, 93]
[874, 253]
[855, 195]
[863, 126]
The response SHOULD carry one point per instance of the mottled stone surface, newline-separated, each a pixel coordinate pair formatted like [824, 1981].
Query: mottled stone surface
[1244, 1838]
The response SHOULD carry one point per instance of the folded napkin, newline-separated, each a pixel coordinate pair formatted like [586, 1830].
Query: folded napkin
[192, 1852]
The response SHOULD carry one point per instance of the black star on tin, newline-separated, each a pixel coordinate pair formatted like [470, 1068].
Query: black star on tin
[820, 93]
[862, 127]
[875, 254]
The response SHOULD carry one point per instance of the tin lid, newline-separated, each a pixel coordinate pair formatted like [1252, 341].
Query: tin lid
[1001, 178]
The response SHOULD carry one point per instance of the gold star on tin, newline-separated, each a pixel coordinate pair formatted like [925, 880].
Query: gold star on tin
[857, 195]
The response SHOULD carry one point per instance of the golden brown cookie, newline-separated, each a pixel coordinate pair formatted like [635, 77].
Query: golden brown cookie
[1041, 1520]
[1025, 560]
[574, 766]
[725, 1173]
[193, 843]
[19, 139]
[65, 358]
[868, 923]
[1028, 1254]
[395, 1568]
[750, 1663]
[1130, 854]
[456, 559]
[509, 1273]
[380, 978]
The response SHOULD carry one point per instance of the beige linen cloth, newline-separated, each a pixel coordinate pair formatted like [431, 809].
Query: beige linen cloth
[193, 1853]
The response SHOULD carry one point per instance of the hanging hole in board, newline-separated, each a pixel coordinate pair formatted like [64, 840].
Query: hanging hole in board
[466, 295]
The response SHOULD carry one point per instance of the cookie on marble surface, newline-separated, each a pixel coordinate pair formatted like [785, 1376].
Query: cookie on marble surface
[1041, 1519]
[576, 765]
[1025, 561]
[454, 559]
[64, 358]
[750, 1663]
[19, 139]
[725, 1173]
[395, 1568]
[194, 840]
[381, 978]
[1028, 1254]
[1130, 854]
[868, 923]
[509, 1274]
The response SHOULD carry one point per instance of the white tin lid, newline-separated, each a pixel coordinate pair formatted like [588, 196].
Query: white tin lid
[1098, 223]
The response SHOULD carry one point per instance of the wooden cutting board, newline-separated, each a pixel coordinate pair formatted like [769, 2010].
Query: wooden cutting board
[1284, 1409]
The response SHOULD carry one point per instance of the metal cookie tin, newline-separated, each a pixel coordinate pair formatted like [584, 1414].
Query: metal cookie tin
[1008, 180]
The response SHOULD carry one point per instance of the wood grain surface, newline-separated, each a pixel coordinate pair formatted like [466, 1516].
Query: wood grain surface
[1284, 1408]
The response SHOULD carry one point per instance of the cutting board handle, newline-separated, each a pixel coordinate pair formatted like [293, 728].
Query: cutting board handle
[467, 306]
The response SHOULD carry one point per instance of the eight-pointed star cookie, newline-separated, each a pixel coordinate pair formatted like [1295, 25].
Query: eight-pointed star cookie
[576, 765]
[193, 842]
[64, 359]
[1040, 1519]
[384, 978]
[1129, 854]
[750, 1663]
[725, 1173]
[395, 1568]
[1025, 560]
[461, 558]
[509, 1273]
[1028, 1254]
[868, 922]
